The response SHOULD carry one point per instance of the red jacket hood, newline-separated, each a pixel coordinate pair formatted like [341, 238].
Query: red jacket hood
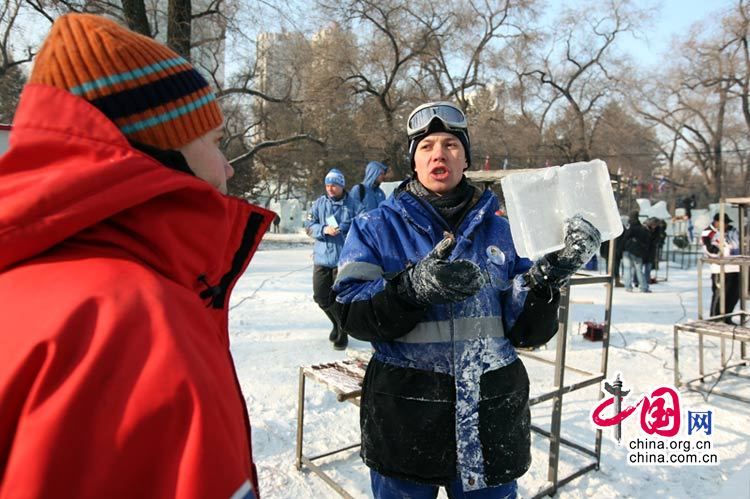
[70, 177]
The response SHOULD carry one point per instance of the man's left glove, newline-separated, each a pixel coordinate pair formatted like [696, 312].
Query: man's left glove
[553, 270]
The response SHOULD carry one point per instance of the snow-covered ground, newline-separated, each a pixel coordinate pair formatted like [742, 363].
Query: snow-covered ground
[275, 327]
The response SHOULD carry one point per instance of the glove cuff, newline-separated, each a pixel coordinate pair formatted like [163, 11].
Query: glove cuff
[548, 272]
[405, 289]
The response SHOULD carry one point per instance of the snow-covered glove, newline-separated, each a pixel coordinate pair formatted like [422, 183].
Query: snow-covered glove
[582, 240]
[434, 280]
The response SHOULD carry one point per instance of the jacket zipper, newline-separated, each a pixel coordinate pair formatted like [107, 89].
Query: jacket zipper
[238, 261]
[218, 301]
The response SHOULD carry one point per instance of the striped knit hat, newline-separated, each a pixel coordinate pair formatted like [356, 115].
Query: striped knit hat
[335, 177]
[153, 95]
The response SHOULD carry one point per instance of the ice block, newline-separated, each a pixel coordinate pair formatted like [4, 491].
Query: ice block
[538, 203]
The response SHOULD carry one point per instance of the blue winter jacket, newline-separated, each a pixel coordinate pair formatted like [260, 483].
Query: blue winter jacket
[328, 248]
[373, 195]
[445, 392]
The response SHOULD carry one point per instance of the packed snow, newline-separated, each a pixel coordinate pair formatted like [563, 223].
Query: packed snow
[275, 328]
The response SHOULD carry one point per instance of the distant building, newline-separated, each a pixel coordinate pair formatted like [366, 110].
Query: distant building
[279, 57]
[291, 66]
[283, 61]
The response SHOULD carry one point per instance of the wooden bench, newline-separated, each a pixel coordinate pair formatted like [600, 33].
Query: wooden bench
[715, 328]
[344, 378]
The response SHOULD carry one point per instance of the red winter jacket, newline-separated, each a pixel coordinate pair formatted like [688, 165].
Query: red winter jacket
[116, 378]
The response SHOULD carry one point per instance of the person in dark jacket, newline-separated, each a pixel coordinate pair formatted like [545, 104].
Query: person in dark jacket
[635, 246]
[368, 194]
[432, 279]
[328, 223]
[657, 229]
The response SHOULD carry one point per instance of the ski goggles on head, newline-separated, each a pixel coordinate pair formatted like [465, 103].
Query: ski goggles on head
[451, 115]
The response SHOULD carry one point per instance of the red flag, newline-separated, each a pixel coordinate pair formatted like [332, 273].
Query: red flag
[486, 163]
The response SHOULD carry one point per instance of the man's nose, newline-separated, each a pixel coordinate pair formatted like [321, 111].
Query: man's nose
[438, 151]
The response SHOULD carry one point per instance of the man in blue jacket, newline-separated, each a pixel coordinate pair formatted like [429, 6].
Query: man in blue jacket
[369, 194]
[432, 279]
[328, 223]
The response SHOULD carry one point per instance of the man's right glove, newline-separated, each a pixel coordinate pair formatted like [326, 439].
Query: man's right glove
[434, 280]
[552, 270]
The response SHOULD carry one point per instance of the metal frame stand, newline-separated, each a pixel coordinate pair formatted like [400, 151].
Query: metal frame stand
[555, 481]
[345, 379]
[714, 326]
[711, 327]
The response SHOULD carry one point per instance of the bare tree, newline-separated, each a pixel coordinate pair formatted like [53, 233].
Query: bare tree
[583, 72]
[473, 39]
[9, 12]
[12, 61]
[391, 39]
[134, 12]
[737, 32]
[703, 101]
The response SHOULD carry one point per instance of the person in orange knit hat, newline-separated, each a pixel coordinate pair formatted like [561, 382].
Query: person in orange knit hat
[119, 249]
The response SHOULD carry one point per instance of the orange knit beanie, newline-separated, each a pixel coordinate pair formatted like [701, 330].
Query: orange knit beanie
[152, 94]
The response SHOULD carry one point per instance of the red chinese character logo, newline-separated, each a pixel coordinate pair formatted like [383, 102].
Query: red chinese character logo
[660, 412]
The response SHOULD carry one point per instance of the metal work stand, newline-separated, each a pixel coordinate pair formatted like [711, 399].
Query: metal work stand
[719, 330]
[344, 378]
[715, 326]
[555, 481]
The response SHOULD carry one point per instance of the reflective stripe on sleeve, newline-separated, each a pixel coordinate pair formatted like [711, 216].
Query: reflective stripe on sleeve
[360, 271]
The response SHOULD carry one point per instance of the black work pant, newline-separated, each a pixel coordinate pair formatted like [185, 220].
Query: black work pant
[731, 293]
[323, 279]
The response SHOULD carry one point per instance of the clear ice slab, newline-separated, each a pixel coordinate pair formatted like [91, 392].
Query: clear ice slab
[538, 202]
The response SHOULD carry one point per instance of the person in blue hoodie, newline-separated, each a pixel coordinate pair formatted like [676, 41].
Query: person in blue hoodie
[368, 194]
[328, 223]
[431, 278]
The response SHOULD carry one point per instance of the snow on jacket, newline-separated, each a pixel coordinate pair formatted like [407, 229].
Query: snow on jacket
[373, 195]
[445, 392]
[116, 378]
[711, 239]
[328, 248]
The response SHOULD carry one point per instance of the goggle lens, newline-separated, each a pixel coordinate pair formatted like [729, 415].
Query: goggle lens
[452, 117]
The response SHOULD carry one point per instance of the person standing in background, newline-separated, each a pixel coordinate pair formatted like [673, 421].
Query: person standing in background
[328, 222]
[658, 230]
[711, 239]
[635, 245]
[368, 194]
[119, 250]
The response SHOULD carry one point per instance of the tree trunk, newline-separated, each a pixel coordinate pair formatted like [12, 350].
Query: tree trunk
[178, 26]
[135, 16]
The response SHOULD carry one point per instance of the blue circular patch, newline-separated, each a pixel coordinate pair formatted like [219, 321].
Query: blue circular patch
[495, 255]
